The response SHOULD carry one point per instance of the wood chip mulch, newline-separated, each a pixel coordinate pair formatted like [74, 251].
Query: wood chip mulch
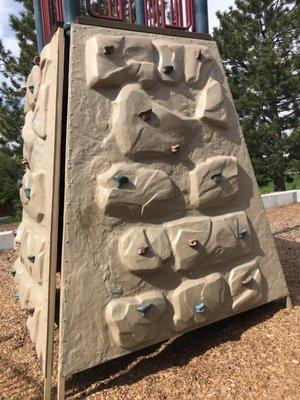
[251, 356]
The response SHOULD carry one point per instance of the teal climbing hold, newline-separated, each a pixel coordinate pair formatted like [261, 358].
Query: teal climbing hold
[27, 192]
[200, 308]
[31, 259]
[120, 180]
[242, 233]
[144, 309]
[216, 177]
[16, 297]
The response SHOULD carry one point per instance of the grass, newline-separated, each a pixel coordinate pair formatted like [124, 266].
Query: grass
[10, 221]
[289, 185]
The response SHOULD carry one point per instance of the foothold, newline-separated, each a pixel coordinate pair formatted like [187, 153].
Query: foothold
[145, 115]
[20, 183]
[24, 89]
[143, 250]
[24, 161]
[108, 50]
[200, 55]
[31, 88]
[248, 280]
[216, 177]
[31, 259]
[199, 308]
[16, 297]
[192, 242]
[37, 60]
[144, 309]
[175, 148]
[30, 312]
[120, 180]
[27, 192]
[168, 69]
[14, 232]
[242, 233]
[13, 272]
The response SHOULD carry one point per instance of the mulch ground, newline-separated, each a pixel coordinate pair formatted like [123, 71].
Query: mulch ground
[248, 356]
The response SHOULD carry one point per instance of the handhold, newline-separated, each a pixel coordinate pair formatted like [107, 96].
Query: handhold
[242, 233]
[14, 232]
[120, 180]
[30, 312]
[248, 280]
[37, 60]
[145, 115]
[143, 250]
[24, 161]
[108, 50]
[31, 259]
[216, 177]
[200, 55]
[175, 148]
[20, 183]
[27, 192]
[144, 309]
[16, 297]
[168, 69]
[13, 272]
[31, 88]
[199, 308]
[24, 89]
[192, 242]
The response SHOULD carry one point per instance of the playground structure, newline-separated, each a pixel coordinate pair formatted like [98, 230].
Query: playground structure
[141, 213]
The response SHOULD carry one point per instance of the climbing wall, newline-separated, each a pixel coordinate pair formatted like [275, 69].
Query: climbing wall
[164, 228]
[35, 270]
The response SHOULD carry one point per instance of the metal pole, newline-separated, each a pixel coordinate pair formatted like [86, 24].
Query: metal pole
[140, 15]
[71, 10]
[38, 25]
[201, 16]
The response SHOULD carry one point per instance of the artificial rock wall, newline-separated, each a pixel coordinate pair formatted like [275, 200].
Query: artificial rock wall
[164, 229]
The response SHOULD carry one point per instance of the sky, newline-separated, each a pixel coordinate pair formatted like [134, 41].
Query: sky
[10, 6]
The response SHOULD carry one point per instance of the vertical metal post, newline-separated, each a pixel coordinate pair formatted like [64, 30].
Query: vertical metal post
[201, 16]
[140, 12]
[38, 25]
[71, 10]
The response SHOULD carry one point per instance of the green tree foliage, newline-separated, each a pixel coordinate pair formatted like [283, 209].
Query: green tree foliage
[14, 71]
[258, 43]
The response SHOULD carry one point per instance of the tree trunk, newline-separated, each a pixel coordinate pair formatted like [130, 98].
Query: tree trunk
[279, 184]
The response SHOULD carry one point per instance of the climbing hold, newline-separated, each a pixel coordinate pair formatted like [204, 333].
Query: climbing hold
[31, 259]
[27, 192]
[16, 297]
[24, 161]
[143, 250]
[242, 233]
[144, 309]
[200, 55]
[120, 180]
[216, 177]
[24, 89]
[200, 308]
[13, 272]
[14, 232]
[30, 312]
[145, 115]
[20, 183]
[248, 280]
[31, 88]
[193, 242]
[108, 50]
[37, 60]
[175, 148]
[168, 69]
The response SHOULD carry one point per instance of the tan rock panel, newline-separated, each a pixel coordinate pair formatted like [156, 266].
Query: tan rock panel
[170, 65]
[198, 62]
[133, 191]
[214, 182]
[33, 196]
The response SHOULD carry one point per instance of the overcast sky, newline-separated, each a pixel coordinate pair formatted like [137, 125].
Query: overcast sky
[9, 6]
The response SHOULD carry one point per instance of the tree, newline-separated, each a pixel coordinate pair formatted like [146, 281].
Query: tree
[14, 71]
[258, 43]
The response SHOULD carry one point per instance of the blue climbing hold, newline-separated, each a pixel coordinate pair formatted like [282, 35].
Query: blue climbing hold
[120, 180]
[13, 272]
[200, 308]
[31, 259]
[27, 192]
[16, 297]
[242, 233]
[144, 309]
[216, 177]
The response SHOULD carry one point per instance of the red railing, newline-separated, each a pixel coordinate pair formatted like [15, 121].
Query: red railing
[52, 16]
[175, 14]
